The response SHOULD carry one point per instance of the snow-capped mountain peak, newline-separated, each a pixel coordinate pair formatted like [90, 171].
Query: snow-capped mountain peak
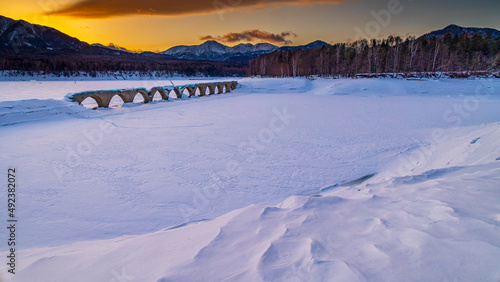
[213, 50]
[209, 49]
[248, 47]
[454, 29]
[19, 33]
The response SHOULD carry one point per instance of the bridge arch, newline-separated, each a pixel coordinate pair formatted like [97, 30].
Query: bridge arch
[90, 102]
[188, 90]
[155, 96]
[197, 91]
[139, 98]
[115, 100]
[201, 90]
[158, 91]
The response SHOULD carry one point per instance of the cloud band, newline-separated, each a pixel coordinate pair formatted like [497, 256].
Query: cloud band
[113, 8]
[253, 35]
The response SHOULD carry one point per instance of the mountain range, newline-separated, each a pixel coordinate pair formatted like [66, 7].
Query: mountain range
[213, 50]
[18, 36]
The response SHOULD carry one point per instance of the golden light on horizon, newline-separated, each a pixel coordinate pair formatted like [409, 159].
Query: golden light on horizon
[328, 20]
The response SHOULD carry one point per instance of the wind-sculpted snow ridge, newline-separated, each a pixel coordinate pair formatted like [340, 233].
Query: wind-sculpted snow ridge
[434, 219]
[14, 112]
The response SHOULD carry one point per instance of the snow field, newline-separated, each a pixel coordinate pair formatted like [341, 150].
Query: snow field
[101, 188]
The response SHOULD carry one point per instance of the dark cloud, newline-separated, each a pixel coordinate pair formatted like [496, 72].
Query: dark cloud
[253, 35]
[112, 8]
[207, 37]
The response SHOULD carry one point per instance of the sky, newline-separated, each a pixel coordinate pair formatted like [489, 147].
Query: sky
[156, 25]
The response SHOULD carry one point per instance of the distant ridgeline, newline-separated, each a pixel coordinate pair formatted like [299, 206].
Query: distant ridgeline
[453, 49]
[30, 49]
[34, 50]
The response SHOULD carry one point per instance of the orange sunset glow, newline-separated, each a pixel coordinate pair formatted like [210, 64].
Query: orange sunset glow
[158, 25]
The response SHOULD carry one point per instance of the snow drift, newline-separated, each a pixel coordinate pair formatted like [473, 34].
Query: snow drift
[440, 222]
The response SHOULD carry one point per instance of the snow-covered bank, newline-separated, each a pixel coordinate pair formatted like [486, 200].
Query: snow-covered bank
[34, 89]
[439, 223]
[118, 176]
[15, 112]
[13, 75]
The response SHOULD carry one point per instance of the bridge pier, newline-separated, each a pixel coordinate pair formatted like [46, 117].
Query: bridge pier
[211, 88]
[191, 91]
[178, 93]
[104, 100]
[233, 85]
[203, 89]
[220, 89]
[163, 94]
[127, 96]
[145, 95]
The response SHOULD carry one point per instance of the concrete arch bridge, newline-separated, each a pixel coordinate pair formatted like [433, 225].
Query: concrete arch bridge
[103, 98]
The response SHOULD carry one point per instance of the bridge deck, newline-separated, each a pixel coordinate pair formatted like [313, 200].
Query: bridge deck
[103, 97]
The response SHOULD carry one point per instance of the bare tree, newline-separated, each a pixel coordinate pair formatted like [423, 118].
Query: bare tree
[413, 49]
[436, 52]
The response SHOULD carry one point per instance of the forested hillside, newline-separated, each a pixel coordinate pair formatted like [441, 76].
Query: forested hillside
[390, 55]
[66, 63]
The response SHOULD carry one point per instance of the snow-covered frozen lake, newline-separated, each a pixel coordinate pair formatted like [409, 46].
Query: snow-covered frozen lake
[100, 174]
